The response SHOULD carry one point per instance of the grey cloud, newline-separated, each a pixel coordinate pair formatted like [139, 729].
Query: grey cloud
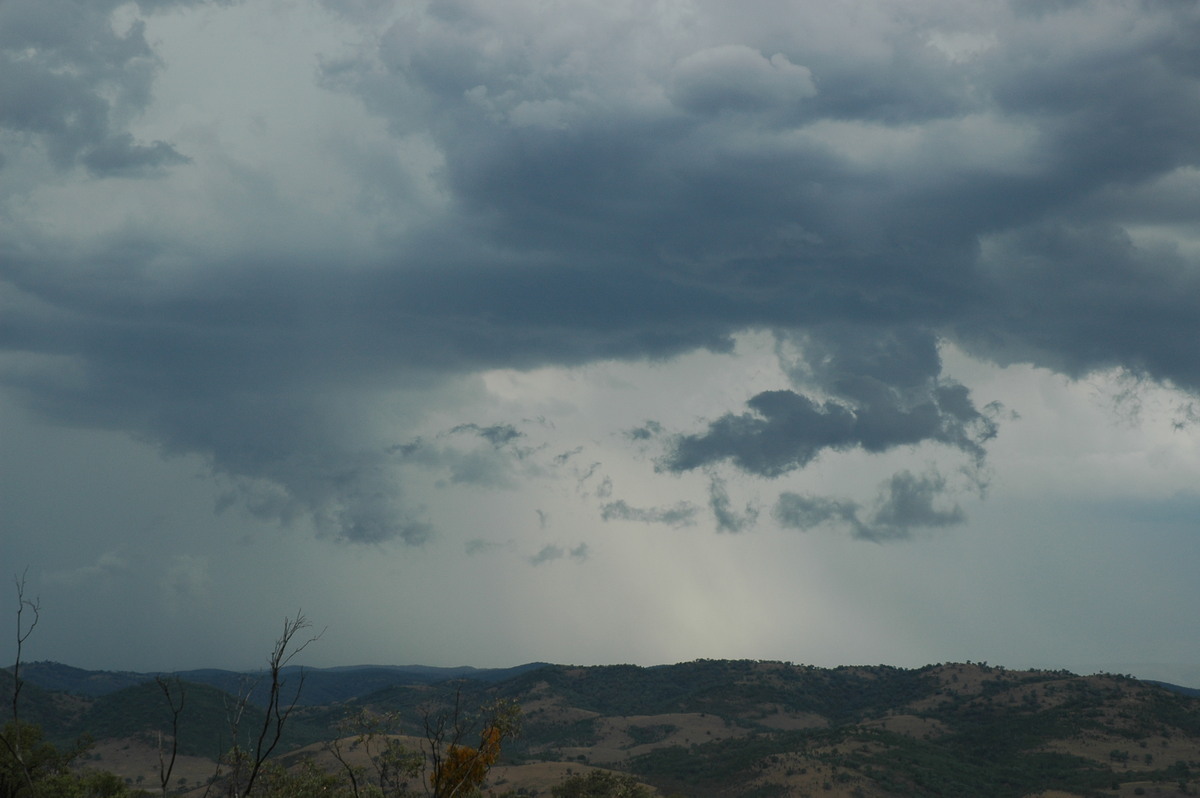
[737, 77]
[551, 552]
[1186, 414]
[563, 458]
[681, 514]
[548, 553]
[285, 455]
[875, 244]
[497, 464]
[68, 78]
[728, 519]
[497, 434]
[366, 11]
[1080, 298]
[905, 503]
[647, 431]
[109, 566]
[350, 497]
[604, 490]
[807, 512]
[785, 431]
[120, 156]
[481, 546]
[908, 503]
[885, 392]
[614, 189]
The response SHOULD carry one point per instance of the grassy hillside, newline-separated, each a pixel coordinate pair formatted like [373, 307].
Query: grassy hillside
[721, 728]
[142, 713]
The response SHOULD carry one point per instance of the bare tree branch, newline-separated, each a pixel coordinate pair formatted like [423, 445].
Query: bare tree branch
[24, 630]
[165, 766]
[277, 713]
[23, 633]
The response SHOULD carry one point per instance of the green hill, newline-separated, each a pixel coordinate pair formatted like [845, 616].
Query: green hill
[721, 728]
[743, 728]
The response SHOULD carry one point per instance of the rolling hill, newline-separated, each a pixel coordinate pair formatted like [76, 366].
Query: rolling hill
[713, 728]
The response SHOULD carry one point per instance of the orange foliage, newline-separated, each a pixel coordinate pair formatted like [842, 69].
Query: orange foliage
[465, 768]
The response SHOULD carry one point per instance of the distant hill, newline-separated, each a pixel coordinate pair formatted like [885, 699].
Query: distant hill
[1192, 691]
[321, 685]
[717, 728]
[746, 728]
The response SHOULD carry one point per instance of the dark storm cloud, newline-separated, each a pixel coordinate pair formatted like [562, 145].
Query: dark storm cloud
[1083, 297]
[785, 431]
[728, 219]
[905, 503]
[886, 393]
[119, 155]
[735, 77]
[67, 77]
[616, 185]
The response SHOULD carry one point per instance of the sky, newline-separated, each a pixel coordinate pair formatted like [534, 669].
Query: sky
[602, 331]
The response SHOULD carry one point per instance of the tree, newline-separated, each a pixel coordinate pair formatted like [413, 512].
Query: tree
[12, 738]
[457, 770]
[175, 703]
[31, 767]
[392, 765]
[600, 784]
[246, 763]
[305, 781]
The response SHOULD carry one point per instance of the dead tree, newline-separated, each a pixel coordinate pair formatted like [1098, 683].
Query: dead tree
[165, 764]
[23, 633]
[280, 709]
[246, 763]
[12, 740]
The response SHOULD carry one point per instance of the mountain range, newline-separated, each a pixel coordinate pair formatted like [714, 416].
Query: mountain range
[704, 728]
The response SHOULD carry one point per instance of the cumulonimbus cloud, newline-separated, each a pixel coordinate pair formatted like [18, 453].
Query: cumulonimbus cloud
[595, 181]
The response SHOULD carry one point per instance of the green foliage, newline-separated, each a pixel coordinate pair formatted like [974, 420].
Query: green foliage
[993, 736]
[600, 784]
[142, 712]
[644, 735]
[55, 714]
[303, 781]
[31, 767]
[391, 766]
[714, 766]
[728, 688]
[906, 766]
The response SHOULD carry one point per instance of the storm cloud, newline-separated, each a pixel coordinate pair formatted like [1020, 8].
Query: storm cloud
[67, 79]
[474, 287]
[588, 182]
[905, 503]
